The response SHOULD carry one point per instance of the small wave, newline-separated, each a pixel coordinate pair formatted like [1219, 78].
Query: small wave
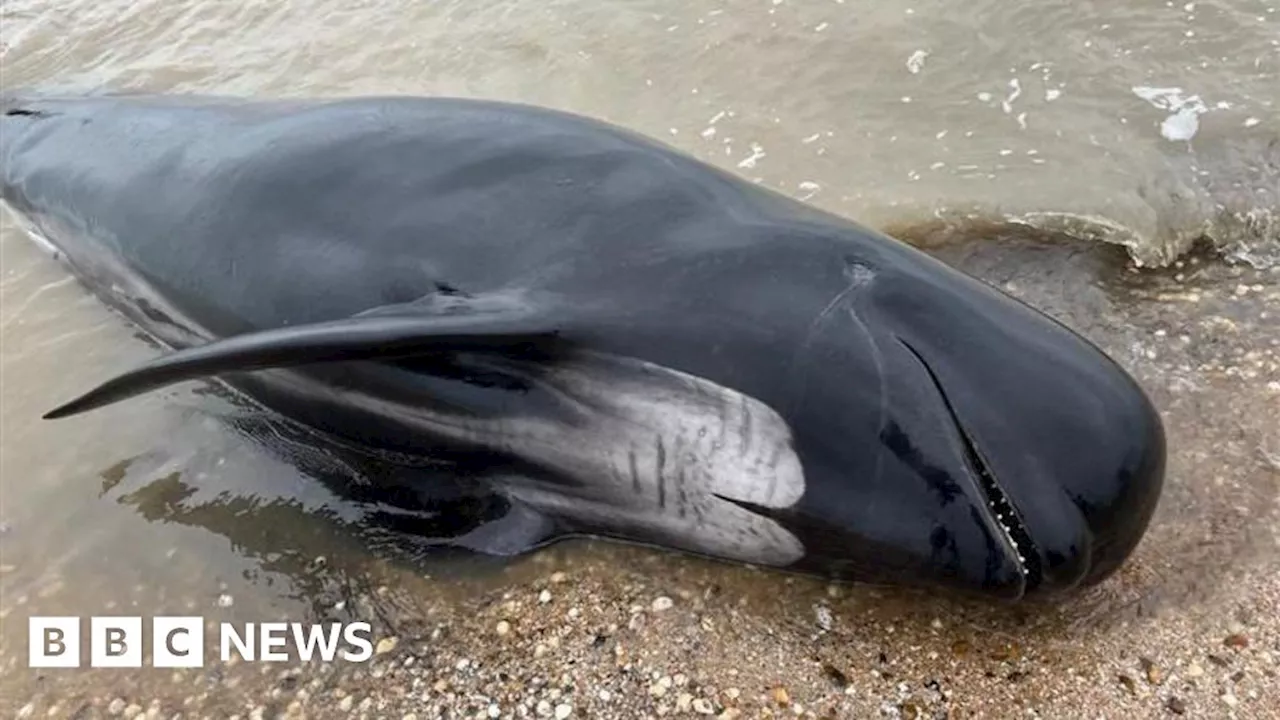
[1251, 237]
[1221, 190]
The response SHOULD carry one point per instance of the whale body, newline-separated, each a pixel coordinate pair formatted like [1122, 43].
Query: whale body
[596, 333]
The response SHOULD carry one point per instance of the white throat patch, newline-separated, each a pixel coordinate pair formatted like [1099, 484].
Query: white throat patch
[653, 450]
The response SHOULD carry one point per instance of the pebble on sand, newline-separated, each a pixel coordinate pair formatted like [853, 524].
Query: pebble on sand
[386, 645]
[660, 687]
[1154, 675]
[662, 603]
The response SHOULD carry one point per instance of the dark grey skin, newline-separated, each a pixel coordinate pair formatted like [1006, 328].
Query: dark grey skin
[608, 336]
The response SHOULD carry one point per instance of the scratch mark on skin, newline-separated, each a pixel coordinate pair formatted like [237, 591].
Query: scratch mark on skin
[684, 494]
[858, 275]
[774, 459]
[661, 474]
[878, 357]
[635, 472]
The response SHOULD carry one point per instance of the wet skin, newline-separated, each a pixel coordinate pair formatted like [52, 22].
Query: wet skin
[947, 434]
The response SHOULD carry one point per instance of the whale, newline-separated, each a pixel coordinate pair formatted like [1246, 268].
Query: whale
[591, 334]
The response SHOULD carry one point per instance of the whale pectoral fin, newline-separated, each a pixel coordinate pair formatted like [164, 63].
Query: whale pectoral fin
[389, 333]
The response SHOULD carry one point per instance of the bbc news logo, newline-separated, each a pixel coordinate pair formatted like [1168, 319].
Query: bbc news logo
[179, 642]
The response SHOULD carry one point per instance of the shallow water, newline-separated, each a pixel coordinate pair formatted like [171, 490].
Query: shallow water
[1027, 143]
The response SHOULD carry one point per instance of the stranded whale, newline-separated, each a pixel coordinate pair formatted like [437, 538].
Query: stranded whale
[603, 335]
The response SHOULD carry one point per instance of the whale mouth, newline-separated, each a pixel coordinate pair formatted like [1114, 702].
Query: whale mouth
[1000, 510]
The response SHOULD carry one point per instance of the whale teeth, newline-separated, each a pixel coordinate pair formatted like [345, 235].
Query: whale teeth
[1005, 516]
